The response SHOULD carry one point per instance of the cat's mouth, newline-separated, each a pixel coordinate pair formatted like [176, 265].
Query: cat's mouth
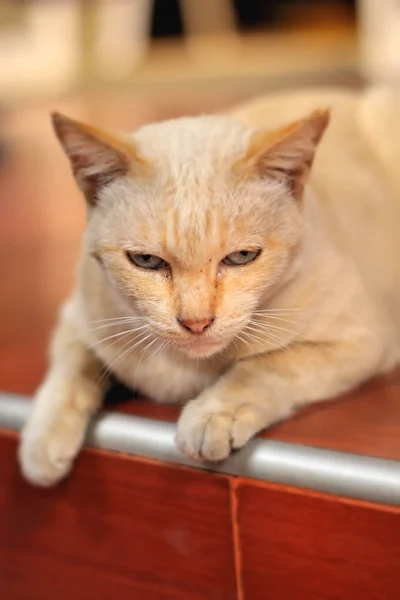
[199, 347]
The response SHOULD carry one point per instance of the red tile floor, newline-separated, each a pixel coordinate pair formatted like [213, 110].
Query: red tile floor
[124, 527]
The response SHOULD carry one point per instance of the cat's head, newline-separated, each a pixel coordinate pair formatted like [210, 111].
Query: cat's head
[196, 221]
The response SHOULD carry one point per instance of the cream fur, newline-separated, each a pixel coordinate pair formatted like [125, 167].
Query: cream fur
[187, 191]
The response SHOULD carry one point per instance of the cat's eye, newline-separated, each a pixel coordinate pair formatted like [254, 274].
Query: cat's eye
[243, 257]
[147, 261]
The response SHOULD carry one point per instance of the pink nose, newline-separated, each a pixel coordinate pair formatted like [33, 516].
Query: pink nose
[196, 326]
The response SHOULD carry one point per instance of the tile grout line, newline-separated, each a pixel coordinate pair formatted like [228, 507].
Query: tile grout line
[233, 485]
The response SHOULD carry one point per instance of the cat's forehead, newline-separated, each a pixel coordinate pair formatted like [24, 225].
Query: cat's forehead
[196, 144]
[193, 235]
[194, 226]
[191, 204]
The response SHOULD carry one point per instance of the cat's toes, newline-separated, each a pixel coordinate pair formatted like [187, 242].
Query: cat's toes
[40, 464]
[47, 456]
[209, 431]
[248, 421]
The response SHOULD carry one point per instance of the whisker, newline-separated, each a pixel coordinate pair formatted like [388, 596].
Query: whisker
[286, 344]
[275, 318]
[260, 339]
[252, 335]
[129, 349]
[267, 326]
[163, 345]
[244, 341]
[115, 335]
[149, 345]
[112, 324]
[108, 326]
[127, 318]
[123, 337]
[142, 353]
[254, 353]
[279, 310]
[258, 327]
[291, 331]
[266, 332]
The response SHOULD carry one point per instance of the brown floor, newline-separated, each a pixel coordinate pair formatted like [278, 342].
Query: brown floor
[42, 218]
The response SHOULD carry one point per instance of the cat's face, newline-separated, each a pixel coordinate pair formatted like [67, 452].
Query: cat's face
[201, 229]
[195, 265]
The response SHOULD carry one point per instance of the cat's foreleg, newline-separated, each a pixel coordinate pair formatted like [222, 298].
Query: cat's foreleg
[71, 392]
[260, 391]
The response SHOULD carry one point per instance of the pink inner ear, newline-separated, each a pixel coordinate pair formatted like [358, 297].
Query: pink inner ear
[286, 154]
[97, 158]
[91, 179]
[82, 160]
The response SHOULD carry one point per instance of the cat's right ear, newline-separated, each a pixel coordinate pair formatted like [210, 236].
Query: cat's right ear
[285, 154]
[97, 157]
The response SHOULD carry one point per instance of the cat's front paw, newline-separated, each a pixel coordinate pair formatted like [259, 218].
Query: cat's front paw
[47, 451]
[209, 429]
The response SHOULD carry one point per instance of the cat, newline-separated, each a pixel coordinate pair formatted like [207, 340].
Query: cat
[226, 269]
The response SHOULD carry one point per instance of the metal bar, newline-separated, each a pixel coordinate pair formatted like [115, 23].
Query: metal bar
[333, 472]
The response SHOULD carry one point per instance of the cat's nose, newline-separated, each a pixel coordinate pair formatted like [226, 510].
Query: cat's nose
[196, 326]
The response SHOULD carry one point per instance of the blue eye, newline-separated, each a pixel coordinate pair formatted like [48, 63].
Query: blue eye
[147, 261]
[243, 257]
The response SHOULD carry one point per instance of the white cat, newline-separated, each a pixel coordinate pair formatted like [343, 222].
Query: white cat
[219, 270]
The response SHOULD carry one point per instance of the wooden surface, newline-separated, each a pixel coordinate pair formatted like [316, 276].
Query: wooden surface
[122, 527]
[314, 547]
[42, 218]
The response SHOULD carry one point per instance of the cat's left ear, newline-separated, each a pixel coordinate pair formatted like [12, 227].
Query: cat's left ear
[96, 156]
[286, 154]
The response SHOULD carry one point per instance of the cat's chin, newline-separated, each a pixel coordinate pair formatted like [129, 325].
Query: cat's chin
[200, 350]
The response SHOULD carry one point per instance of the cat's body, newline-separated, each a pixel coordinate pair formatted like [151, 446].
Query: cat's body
[314, 314]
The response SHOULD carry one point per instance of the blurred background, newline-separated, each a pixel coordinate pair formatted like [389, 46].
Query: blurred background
[122, 63]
